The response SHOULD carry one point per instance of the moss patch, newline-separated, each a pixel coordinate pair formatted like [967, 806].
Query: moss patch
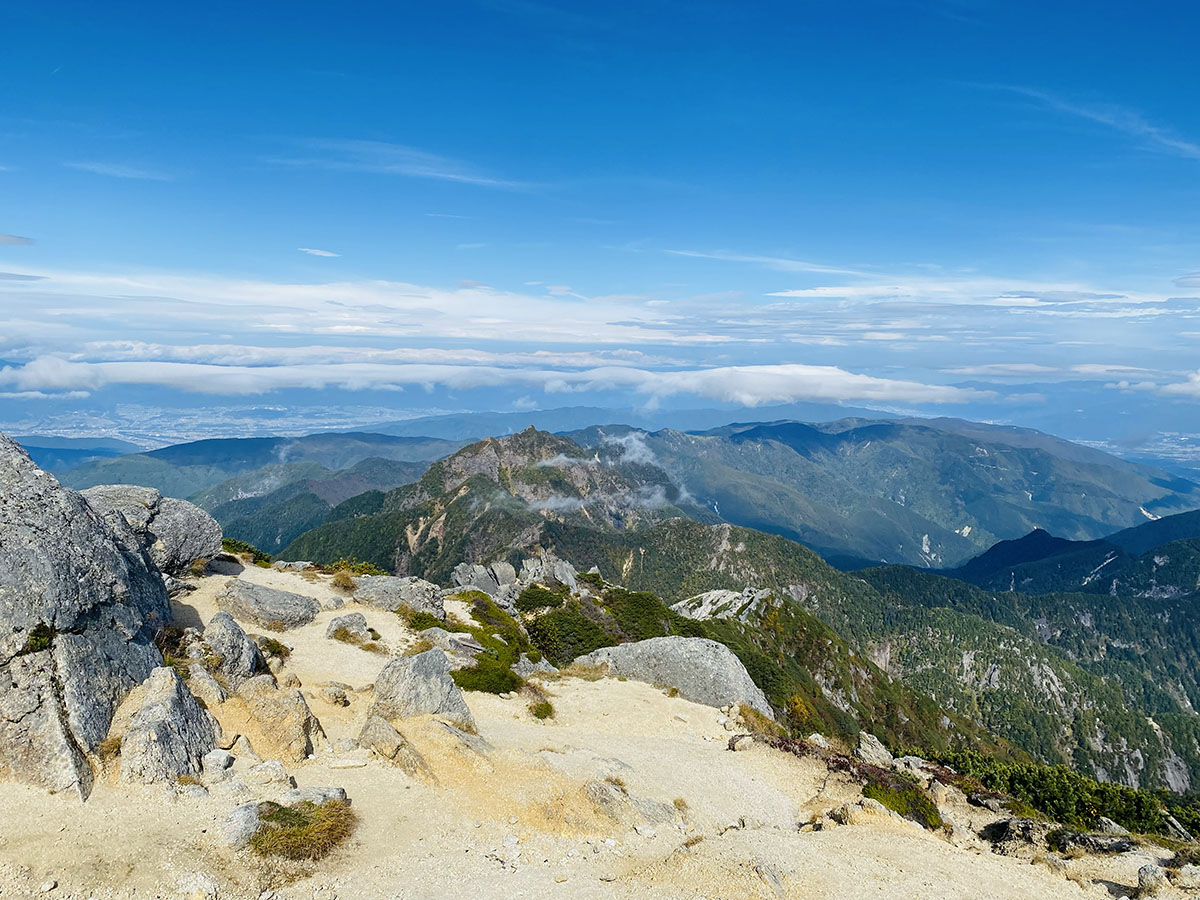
[902, 794]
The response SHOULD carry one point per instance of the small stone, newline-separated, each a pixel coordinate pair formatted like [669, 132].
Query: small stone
[48, 886]
[216, 760]
[644, 830]
[608, 876]
[559, 879]
[741, 742]
[1151, 880]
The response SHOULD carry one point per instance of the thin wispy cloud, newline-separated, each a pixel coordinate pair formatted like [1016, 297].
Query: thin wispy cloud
[779, 263]
[1119, 118]
[314, 251]
[392, 159]
[15, 239]
[119, 170]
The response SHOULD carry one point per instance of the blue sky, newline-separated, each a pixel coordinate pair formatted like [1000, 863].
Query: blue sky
[946, 206]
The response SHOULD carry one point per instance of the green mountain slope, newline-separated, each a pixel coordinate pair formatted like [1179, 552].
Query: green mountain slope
[1156, 559]
[927, 494]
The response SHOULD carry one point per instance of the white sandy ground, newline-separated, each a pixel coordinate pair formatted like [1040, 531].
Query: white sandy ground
[523, 803]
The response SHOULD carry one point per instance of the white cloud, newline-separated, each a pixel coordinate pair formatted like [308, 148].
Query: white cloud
[313, 251]
[119, 170]
[15, 239]
[745, 385]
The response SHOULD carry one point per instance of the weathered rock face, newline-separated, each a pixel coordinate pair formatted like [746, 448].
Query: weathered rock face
[390, 593]
[378, 735]
[420, 685]
[79, 605]
[871, 751]
[240, 657]
[174, 532]
[168, 732]
[284, 716]
[268, 607]
[703, 671]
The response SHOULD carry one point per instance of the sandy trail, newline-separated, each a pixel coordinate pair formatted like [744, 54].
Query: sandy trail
[515, 822]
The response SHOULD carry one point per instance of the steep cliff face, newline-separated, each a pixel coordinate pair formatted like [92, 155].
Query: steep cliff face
[80, 601]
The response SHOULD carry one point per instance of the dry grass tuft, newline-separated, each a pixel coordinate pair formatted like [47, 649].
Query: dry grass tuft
[304, 830]
[757, 723]
[575, 670]
[418, 647]
[343, 581]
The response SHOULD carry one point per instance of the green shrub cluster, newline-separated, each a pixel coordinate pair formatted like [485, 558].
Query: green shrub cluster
[1064, 795]
[503, 642]
[542, 709]
[903, 795]
[537, 597]
[355, 567]
[241, 548]
[566, 633]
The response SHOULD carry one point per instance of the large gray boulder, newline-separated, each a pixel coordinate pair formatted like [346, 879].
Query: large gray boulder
[420, 685]
[390, 593]
[168, 732]
[703, 671]
[240, 658]
[269, 607]
[80, 603]
[174, 532]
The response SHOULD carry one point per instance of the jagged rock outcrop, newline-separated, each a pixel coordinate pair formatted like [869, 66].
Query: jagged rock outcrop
[871, 751]
[745, 606]
[390, 593]
[420, 685]
[240, 658]
[79, 605]
[284, 717]
[548, 569]
[703, 671]
[174, 532]
[164, 731]
[461, 649]
[269, 607]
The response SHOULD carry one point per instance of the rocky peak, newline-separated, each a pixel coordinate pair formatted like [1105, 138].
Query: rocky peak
[79, 605]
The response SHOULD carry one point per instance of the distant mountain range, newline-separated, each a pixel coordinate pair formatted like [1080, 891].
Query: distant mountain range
[922, 492]
[267, 490]
[927, 492]
[1159, 559]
